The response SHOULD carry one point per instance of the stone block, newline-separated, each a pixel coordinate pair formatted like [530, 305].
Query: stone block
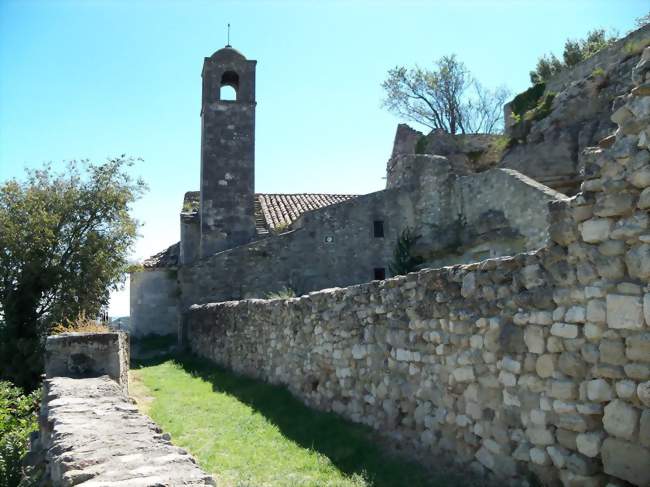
[621, 419]
[596, 311]
[589, 443]
[563, 389]
[545, 365]
[626, 461]
[540, 436]
[572, 364]
[625, 389]
[638, 347]
[637, 260]
[534, 339]
[599, 390]
[564, 330]
[612, 352]
[624, 312]
[643, 392]
[595, 230]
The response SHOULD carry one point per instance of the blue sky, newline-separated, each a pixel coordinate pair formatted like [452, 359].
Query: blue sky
[91, 79]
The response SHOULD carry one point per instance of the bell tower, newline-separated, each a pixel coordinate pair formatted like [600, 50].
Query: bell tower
[227, 151]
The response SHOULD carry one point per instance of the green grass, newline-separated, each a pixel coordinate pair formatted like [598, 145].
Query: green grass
[249, 433]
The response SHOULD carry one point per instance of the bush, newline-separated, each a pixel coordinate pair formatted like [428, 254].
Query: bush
[18, 418]
[575, 51]
[404, 260]
[81, 324]
[284, 293]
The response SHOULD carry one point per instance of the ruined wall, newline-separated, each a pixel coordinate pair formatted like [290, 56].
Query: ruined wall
[548, 150]
[154, 301]
[336, 246]
[90, 432]
[540, 362]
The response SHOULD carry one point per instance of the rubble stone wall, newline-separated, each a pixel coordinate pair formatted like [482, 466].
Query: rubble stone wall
[535, 363]
[154, 300]
[91, 433]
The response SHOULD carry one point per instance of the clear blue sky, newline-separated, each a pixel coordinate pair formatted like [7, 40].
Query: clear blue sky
[90, 79]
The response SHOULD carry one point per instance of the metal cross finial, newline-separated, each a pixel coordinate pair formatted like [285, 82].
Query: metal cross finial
[228, 45]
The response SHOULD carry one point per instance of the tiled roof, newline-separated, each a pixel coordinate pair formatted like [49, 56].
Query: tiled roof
[280, 210]
[166, 258]
[277, 211]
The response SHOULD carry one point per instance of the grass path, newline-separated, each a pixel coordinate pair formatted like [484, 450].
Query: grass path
[248, 433]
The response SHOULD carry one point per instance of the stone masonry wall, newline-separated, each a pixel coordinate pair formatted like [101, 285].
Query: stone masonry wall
[335, 246]
[536, 363]
[90, 432]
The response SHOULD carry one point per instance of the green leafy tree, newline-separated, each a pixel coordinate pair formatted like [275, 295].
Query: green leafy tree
[445, 98]
[575, 51]
[64, 239]
[404, 259]
[18, 418]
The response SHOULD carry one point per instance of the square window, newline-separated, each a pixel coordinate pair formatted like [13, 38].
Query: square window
[378, 228]
[380, 273]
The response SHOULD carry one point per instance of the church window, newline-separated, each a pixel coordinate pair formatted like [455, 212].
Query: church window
[378, 228]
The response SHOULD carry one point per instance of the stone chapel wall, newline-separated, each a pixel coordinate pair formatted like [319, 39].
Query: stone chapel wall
[534, 363]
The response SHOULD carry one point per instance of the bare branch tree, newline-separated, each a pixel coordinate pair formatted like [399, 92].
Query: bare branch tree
[446, 98]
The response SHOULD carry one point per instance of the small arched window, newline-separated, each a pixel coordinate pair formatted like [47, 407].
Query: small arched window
[229, 86]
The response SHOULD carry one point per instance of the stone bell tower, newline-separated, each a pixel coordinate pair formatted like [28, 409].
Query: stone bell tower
[227, 151]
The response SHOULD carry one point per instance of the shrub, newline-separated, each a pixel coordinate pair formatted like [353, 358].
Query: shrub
[81, 324]
[18, 418]
[404, 260]
[284, 293]
[528, 99]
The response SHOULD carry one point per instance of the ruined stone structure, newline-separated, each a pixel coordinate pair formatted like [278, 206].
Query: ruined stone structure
[237, 244]
[90, 432]
[537, 363]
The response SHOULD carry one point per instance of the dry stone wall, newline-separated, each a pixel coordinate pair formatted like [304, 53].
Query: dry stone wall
[535, 363]
[91, 432]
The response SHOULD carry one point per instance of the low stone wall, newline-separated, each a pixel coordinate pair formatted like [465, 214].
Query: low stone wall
[539, 362]
[91, 433]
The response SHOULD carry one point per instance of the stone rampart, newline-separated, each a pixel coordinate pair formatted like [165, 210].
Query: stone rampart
[91, 433]
[535, 363]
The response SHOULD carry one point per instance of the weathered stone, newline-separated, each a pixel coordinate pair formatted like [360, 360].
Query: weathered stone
[589, 443]
[575, 314]
[624, 312]
[626, 461]
[572, 365]
[564, 330]
[599, 390]
[637, 260]
[540, 436]
[612, 352]
[582, 465]
[539, 456]
[534, 338]
[567, 438]
[596, 230]
[545, 365]
[643, 392]
[596, 311]
[563, 389]
[625, 389]
[614, 204]
[638, 347]
[621, 419]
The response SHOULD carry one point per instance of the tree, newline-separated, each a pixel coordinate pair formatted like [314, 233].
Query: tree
[446, 98]
[575, 51]
[64, 239]
[404, 260]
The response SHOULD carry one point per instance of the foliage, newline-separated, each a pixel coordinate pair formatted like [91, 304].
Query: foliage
[575, 51]
[528, 99]
[135, 268]
[446, 98]
[281, 227]
[642, 21]
[251, 433]
[542, 109]
[404, 261]
[64, 238]
[80, 324]
[284, 293]
[421, 145]
[18, 418]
